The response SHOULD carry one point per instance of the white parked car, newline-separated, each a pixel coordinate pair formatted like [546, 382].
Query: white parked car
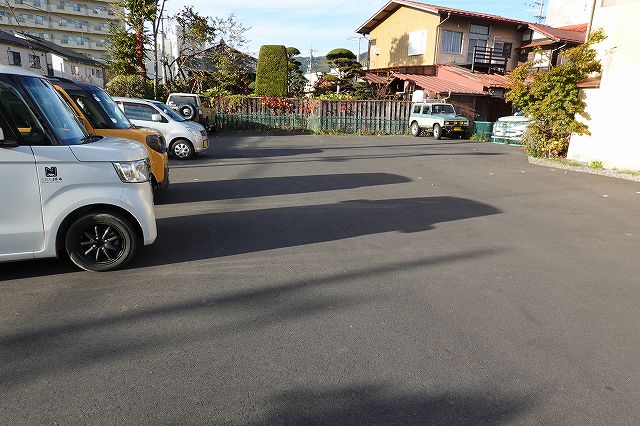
[510, 129]
[184, 138]
[65, 192]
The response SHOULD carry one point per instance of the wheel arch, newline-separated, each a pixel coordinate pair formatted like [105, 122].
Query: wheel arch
[92, 208]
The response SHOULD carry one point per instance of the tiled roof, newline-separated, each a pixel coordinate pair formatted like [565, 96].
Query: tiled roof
[17, 41]
[538, 44]
[375, 79]
[393, 5]
[438, 85]
[590, 82]
[487, 80]
[46, 45]
[578, 27]
[559, 34]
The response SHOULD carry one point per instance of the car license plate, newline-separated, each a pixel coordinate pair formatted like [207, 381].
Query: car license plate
[457, 129]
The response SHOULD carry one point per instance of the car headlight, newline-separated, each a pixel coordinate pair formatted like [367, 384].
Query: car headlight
[133, 171]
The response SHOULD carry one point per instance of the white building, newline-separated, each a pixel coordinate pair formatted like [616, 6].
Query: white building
[49, 59]
[612, 100]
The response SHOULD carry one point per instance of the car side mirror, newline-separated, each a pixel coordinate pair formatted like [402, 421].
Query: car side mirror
[7, 142]
[156, 118]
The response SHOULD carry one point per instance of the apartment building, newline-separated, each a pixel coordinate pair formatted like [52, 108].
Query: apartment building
[80, 25]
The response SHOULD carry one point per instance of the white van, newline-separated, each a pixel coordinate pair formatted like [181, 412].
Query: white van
[184, 138]
[64, 192]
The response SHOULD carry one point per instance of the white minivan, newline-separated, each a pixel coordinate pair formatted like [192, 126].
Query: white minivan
[64, 192]
[184, 138]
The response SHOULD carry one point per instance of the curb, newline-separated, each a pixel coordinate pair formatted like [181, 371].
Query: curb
[582, 169]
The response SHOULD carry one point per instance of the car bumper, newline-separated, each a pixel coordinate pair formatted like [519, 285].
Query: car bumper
[202, 143]
[137, 199]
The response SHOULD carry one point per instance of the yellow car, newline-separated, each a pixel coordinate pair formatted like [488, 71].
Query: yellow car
[102, 117]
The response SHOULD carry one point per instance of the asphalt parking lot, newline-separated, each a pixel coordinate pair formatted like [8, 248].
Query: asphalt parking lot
[344, 280]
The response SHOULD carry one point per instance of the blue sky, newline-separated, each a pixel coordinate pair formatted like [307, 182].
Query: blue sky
[324, 24]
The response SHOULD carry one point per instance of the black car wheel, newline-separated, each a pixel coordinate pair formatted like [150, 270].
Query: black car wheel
[182, 149]
[100, 242]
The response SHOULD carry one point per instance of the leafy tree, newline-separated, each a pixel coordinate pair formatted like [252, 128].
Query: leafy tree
[127, 45]
[296, 82]
[348, 69]
[272, 73]
[553, 100]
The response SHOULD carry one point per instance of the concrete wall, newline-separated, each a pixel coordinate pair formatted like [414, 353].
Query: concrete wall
[568, 12]
[392, 39]
[613, 107]
[24, 56]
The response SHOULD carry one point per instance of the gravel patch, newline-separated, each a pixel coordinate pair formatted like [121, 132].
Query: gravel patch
[584, 169]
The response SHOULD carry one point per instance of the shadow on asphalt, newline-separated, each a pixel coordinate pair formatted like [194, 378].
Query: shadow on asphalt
[207, 236]
[189, 238]
[52, 349]
[262, 187]
[383, 404]
[212, 161]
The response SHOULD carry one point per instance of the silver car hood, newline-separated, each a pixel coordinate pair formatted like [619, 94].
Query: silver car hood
[110, 149]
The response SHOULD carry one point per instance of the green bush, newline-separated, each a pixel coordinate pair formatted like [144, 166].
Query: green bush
[272, 73]
[132, 86]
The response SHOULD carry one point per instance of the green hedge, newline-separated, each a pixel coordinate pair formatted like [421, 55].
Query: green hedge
[272, 71]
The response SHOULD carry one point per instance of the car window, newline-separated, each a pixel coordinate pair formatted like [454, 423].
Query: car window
[426, 109]
[101, 111]
[443, 109]
[168, 111]
[17, 112]
[416, 109]
[61, 118]
[139, 111]
[179, 99]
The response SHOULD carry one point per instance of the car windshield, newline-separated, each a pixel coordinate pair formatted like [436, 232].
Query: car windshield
[443, 109]
[101, 111]
[182, 99]
[168, 111]
[62, 120]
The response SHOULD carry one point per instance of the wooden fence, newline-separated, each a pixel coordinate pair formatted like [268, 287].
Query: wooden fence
[320, 116]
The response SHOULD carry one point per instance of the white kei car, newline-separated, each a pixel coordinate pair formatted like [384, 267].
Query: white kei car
[184, 138]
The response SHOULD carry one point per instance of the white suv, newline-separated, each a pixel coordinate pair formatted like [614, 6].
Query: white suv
[184, 138]
[63, 191]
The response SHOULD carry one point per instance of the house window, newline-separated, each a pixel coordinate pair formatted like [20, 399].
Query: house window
[77, 7]
[62, 23]
[37, 3]
[478, 36]
[416, 43]
[65, 39]
[40, 20]
[61, 5]
[506, 48]
[34, 61]
[14, 58]
[451, 41]
[78, 24]
[80, 41]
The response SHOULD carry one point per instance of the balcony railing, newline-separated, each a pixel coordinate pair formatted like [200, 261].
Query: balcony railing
[489, 59]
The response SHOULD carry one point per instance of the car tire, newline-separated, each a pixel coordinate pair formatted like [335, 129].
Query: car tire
[182, 149]
[437, 132]
[415, 129]
[188, 111]
[100, 242]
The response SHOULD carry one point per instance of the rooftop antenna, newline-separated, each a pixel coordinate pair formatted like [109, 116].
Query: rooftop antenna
[538, 6]
[310, 66]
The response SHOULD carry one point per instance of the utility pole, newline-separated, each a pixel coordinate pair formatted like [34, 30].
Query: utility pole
[310, 66]
[538, 5]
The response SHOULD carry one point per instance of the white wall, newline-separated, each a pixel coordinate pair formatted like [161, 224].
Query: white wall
[613, 107]
[76, 71]
[568, 12]
[24, 56]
